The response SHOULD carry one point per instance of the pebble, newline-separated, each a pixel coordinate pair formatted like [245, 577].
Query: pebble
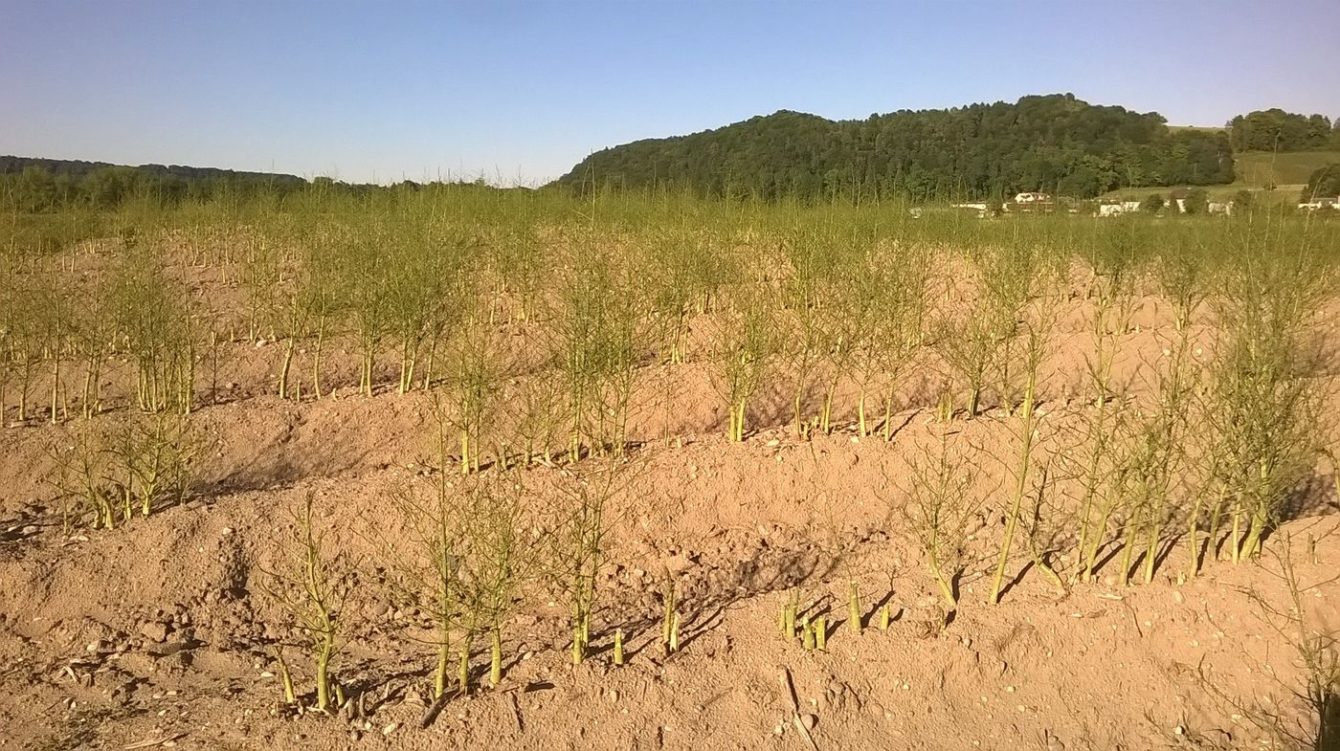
[809, 721]
[154, 631]
[390, 728]
[678, 563]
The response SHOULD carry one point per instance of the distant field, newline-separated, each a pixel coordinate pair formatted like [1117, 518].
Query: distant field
[1288, 171]
[1260, 168]
[1283, 193]
[1201, 128]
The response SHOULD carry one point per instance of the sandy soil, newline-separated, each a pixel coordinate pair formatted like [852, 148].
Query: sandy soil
[156, 634]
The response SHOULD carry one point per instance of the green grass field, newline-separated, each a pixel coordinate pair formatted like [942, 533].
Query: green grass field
[1256, 170]
[1261, 168]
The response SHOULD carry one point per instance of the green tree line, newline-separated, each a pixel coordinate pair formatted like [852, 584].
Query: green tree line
[37, 185]
[1277, 130]
[1054, 143]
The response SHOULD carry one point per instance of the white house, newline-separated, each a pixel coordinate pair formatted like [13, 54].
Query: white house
[1118, 208]
[1032, 198]
[1321, 203]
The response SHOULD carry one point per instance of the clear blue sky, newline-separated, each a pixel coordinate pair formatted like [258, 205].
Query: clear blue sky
[522, 91]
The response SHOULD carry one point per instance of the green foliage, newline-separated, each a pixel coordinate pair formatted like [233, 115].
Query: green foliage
[155, 318]
[1196, 201]
[1277, 130]
[113, 470]
[1263, 404]
[1053, 143]
[38, 185]
[1323, 183]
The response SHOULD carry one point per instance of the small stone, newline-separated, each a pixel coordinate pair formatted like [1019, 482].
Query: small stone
[809, 721]
[678, 563]
[154, 631]
[390, 728]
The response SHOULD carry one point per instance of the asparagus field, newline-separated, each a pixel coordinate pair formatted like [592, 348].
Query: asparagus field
[458, 467]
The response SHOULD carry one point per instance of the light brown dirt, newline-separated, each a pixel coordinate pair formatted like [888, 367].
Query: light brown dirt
[156, 632]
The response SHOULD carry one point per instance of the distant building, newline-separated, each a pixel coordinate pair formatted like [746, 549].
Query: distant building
[981, 208]
[1032, 198]
[1321, 203]
[1218, 207]
[1117, 208]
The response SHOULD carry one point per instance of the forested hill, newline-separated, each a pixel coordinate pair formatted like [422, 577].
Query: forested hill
[1053, 143]
[79, 168]
[33, 184]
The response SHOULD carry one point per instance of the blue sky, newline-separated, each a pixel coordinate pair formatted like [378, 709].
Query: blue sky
[520, 91]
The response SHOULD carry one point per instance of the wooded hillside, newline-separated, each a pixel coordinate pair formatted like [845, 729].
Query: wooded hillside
[1054, 143]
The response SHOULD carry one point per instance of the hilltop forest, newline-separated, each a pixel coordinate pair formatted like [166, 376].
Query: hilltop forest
[1277, 130]
[1054, 143]
[33, 184]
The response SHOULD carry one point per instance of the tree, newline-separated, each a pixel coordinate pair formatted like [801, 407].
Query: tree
[1152, 204]
[1277, 130]
[1197, 201]
[1323, 183]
